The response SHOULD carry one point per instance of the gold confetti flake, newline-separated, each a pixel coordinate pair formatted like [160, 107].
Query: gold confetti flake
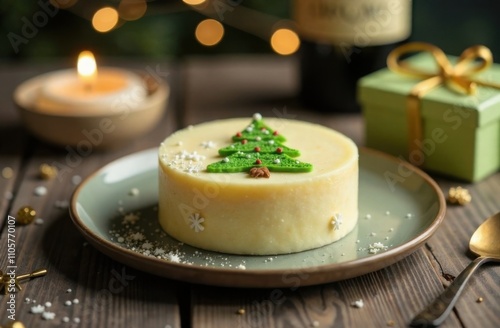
[6, 280]
[14, 324]
[479, 300]
[25, 215]
[47, 171]
[241, 311]
[7, 172]
[459, 195]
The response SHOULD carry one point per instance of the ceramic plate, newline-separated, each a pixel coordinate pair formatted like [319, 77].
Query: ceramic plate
[400, 208]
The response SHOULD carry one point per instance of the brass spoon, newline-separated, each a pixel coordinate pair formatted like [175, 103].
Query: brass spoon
[485, 243]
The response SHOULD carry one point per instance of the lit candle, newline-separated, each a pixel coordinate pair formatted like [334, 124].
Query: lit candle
[91, 107]
[87, 69]
[89, 91]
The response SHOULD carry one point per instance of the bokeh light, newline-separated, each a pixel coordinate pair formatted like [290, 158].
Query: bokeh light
[193, 2]
[209, 32]
[285, 41]
[132, 9]
[105, 19]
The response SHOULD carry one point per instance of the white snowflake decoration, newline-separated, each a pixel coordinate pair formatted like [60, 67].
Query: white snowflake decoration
[147, 245]
[195, 222]
[337, 221]
[173, 257]
[159, 251]
[137, 236]
[130, 218]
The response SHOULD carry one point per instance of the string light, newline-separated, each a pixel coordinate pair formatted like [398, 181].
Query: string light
[285, 41]
[209, 32]
[105, 19]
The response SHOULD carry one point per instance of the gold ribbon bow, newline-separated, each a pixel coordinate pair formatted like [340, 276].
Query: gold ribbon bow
[458, 77]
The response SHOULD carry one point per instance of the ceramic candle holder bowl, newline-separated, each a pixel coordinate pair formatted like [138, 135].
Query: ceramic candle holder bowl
[84, 132]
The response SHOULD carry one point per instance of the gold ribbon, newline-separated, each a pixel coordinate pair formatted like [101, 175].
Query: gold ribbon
[458, 77]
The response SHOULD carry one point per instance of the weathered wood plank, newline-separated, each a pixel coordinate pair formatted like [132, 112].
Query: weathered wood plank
[450, 251]
[14, 141]
[109, 293]
[390, 296]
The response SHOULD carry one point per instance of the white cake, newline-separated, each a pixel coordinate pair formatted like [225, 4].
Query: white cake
[241, 214]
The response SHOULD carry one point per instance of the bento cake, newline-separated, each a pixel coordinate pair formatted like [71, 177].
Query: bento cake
[253, 193]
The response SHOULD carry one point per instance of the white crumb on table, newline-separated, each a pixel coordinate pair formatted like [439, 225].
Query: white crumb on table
[48, 315]
[76, 179]
[8, 195]
[358, 304]
[40, 191]
[37, 308]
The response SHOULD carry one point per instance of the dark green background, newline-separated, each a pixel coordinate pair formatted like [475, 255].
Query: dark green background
[167, 29]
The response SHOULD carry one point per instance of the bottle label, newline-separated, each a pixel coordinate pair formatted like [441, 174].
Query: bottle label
[360, 23]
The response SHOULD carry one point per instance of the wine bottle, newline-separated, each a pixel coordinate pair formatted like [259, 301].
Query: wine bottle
[343, 40]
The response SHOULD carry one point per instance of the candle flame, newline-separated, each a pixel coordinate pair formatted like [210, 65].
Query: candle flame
[87, 68]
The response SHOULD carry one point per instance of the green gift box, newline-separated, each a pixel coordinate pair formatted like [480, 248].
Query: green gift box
[460, 133]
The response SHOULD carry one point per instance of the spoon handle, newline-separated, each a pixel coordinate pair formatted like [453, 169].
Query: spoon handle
[434, 314]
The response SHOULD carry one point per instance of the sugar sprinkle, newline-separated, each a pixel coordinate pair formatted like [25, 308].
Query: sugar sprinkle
[40, 191]
[48, 315]
[358, 304]
[37, 309]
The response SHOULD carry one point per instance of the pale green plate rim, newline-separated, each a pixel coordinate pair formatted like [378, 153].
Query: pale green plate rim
[412, 190]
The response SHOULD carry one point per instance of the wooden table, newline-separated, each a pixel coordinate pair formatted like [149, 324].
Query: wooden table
[113, 295]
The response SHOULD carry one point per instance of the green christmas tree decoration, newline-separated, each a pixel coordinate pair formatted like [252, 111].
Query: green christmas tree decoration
[266, 147]
[258, 131]
[258, 146]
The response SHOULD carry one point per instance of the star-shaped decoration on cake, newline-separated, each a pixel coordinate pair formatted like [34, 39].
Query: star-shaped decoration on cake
[130, 218]
[196, 222]
[337, 220]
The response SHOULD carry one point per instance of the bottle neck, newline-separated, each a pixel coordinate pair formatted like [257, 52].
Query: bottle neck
[360, 23]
